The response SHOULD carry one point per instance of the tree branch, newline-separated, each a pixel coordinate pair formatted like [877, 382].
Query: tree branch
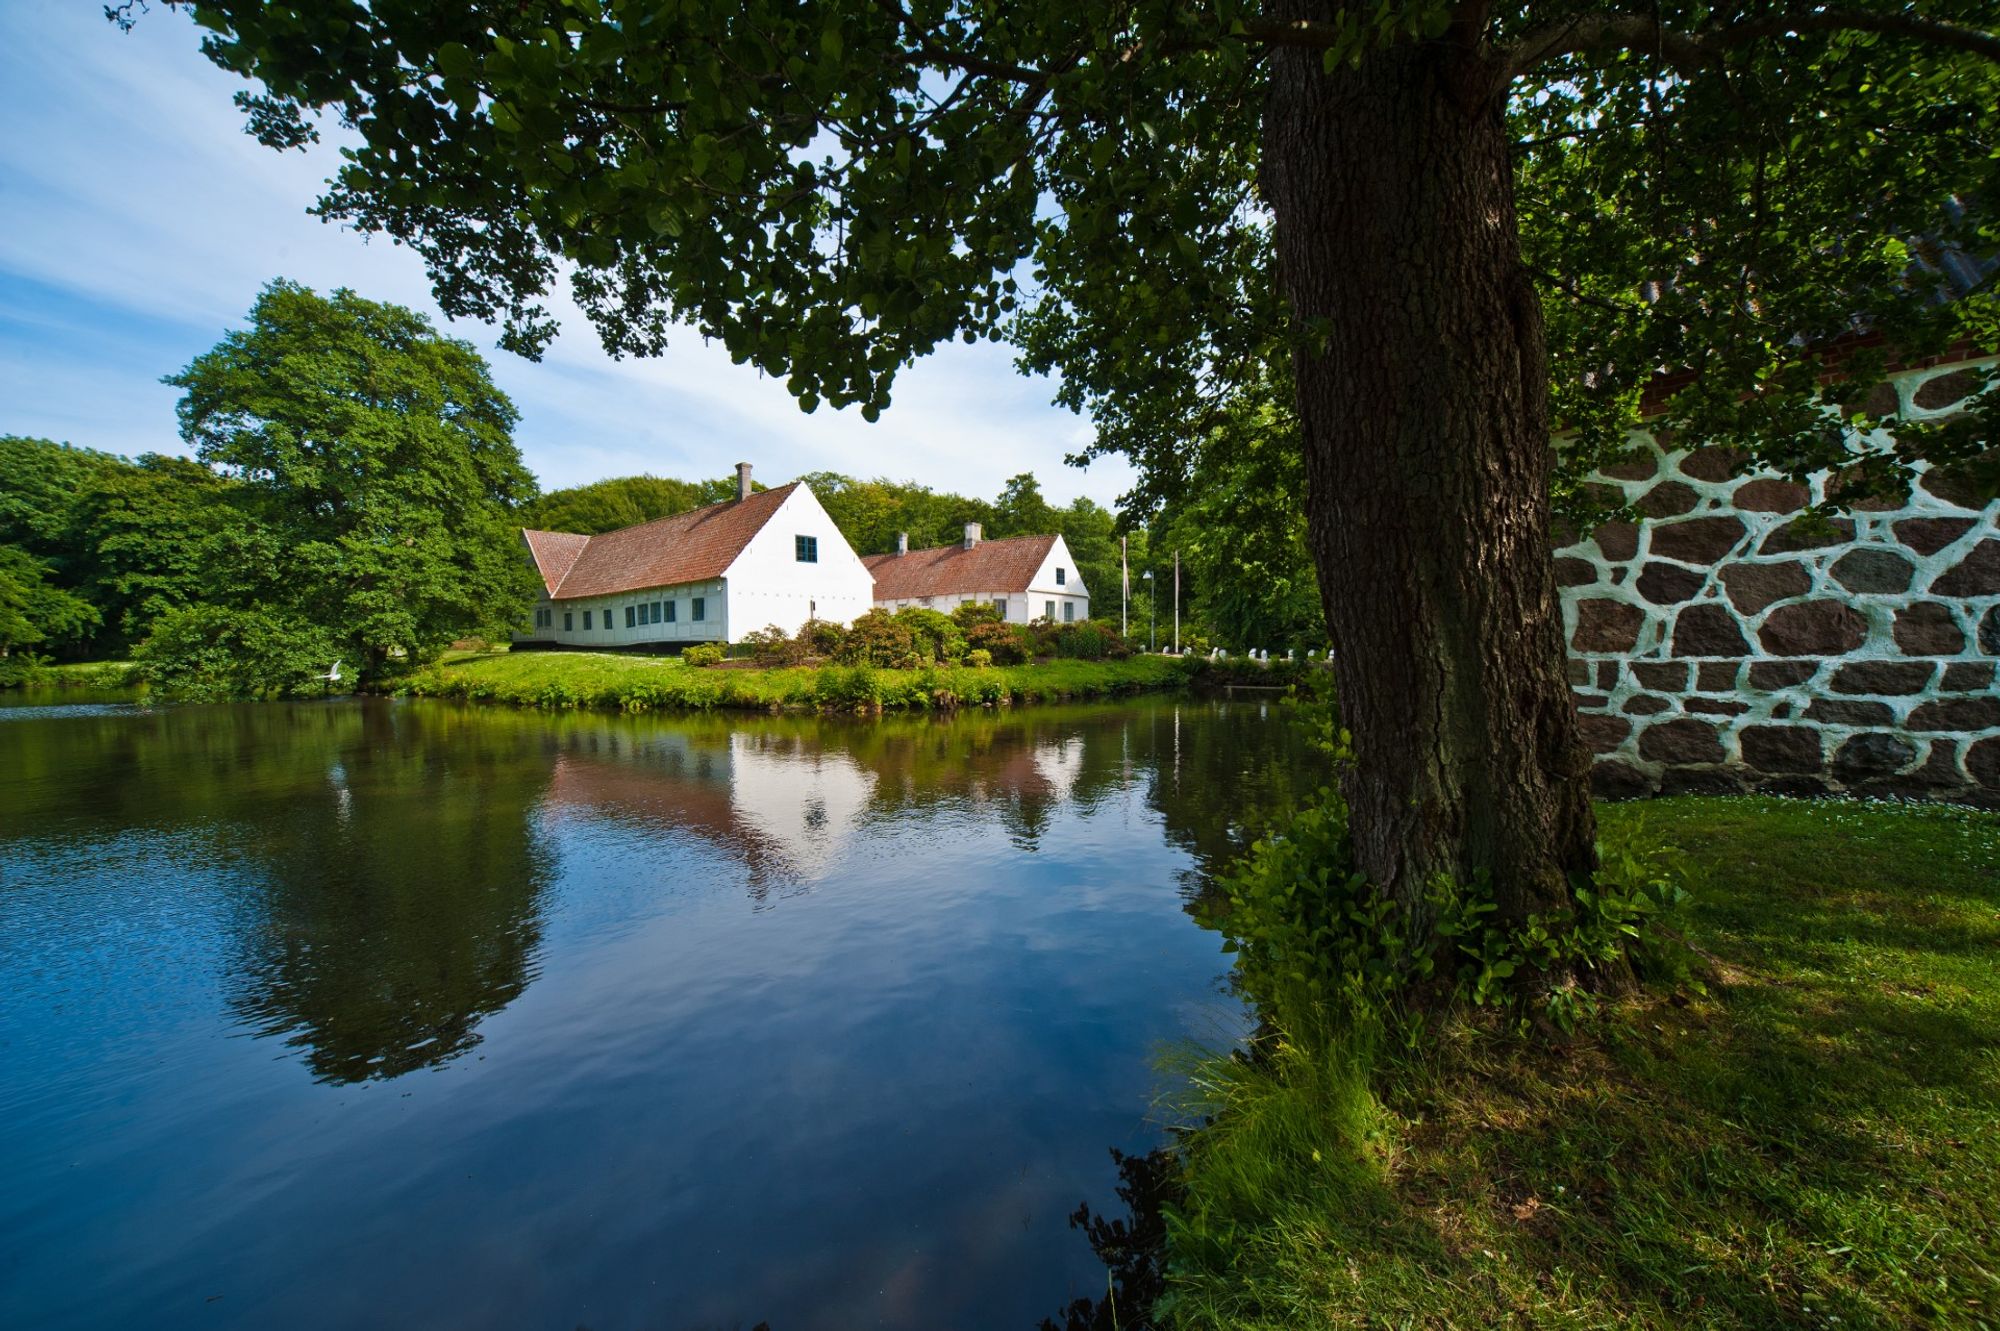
[1913, 26]
[1698, 51]
[1584, 33]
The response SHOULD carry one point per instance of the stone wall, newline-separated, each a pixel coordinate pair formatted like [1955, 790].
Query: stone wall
[1723, 644]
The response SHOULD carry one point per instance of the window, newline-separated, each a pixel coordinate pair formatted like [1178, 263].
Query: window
[807, 549]
[586, 619]
[1062, 576]
[1049, 614]
[696, 608]
[656, 612]
[1000, 607]
[1069, 612]
[631, 617]
[569, 620]
[670, 611]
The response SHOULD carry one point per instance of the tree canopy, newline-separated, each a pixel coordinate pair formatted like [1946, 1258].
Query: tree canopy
[622, 501]
[834, 188]
[376, 461]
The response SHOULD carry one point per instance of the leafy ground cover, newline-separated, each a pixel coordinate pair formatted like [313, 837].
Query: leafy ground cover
[1813, 1142]
[645, 683]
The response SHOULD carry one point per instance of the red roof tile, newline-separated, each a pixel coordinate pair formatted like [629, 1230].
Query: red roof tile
[687, 547]
[554, 552]
[1006, 565]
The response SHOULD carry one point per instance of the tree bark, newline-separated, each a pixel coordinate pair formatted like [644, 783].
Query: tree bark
[1423, 394]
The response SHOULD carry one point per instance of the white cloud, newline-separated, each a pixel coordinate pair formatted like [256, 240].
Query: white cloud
[141, 222]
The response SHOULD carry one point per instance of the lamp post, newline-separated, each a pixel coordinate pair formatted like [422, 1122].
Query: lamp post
[1152, 614]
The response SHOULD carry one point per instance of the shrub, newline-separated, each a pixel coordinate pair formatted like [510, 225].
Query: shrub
[772, 646]
[933, 635]
[1091, 641]
[1006, 644]
[822, 637]
[848, 687]
[703, 654]
[23, 668]
[207, 653]
[973, 613]
[878, 639]
[979, 658]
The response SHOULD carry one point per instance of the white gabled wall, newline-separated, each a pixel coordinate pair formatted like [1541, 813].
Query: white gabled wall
[1042, 589]
[768, 585]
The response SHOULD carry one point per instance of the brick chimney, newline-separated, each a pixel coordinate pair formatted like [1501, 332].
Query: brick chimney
[973, 531]
[902, 543]
[742, 480]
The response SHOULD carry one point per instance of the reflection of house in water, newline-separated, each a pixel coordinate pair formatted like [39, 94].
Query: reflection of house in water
[1021, 768]
[781, 803]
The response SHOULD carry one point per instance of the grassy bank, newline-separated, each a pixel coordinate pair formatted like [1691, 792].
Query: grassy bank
[1815, 1142]
[23, 672]
[643, 684]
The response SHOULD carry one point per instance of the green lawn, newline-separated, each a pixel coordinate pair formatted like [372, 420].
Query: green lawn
[1814, 1143]
[656, 683]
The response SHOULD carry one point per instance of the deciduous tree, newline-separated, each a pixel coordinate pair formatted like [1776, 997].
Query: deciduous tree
[381, 467]
[1416, 207]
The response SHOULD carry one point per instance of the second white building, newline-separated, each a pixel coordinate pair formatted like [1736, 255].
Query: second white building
[1026, 577]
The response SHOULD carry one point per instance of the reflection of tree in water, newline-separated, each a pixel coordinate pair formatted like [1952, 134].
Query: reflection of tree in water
[1225, 777]
[401, 856]
[1131, 1249]
[1220, 779]
[400, 892]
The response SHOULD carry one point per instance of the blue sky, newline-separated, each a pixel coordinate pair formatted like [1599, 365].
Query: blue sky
[138, 221]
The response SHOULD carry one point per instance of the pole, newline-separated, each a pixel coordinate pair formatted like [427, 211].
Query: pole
[1177, 603]
[1124, 586]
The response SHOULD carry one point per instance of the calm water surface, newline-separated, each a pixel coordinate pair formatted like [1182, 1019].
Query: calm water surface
[380, 1014]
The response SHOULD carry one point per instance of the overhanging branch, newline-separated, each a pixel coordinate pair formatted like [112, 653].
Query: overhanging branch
[1692, 52]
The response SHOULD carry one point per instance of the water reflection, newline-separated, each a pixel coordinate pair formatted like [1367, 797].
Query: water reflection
[400, 894]
[885, 988]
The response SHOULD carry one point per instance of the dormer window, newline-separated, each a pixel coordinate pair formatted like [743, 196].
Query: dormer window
[1062, 576]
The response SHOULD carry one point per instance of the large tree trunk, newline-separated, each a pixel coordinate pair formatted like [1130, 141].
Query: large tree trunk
[1423, 393]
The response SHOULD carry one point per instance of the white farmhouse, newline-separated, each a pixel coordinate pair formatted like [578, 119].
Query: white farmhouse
[710, 575]
[1026, 577]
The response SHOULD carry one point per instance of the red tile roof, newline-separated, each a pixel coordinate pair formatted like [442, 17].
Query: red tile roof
[1007, 565]
[687, 547]
[555, 552]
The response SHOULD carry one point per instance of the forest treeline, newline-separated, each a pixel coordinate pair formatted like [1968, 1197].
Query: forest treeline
[356, 495]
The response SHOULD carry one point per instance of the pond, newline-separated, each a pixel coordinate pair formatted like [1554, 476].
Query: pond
[377, 1013]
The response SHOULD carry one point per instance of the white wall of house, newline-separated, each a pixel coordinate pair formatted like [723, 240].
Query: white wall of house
[564, 621]
[769, 584]
[1015, 603]
[1049, 599]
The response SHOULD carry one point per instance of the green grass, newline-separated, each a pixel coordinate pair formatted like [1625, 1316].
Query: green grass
[1816, 1142]
[26, 672]
[644, 683]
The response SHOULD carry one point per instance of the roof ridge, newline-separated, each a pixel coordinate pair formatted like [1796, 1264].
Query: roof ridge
[984, 540]
[699, 508]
